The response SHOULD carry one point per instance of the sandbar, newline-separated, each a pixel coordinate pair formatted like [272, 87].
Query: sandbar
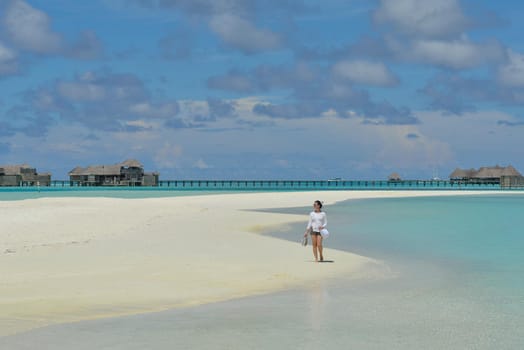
[72, 259]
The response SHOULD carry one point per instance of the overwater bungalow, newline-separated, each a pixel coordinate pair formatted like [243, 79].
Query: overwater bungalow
[128, 173]
[491, 175]
[462, 174]
[394, 177]
[23, 175]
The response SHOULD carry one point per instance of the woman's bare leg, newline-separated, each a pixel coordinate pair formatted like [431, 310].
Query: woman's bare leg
[314, 243]
[319, 247]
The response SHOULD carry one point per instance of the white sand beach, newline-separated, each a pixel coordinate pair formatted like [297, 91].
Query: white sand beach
[71, 259]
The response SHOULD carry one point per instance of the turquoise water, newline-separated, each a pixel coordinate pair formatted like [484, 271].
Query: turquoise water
[458, 283]
[461, 254]
[168, 188]
[477, 233]
[13, 194]
[200, 187]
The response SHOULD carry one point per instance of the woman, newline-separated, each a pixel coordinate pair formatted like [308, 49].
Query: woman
[317, 222]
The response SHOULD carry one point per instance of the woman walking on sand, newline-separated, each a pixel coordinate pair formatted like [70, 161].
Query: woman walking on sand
[317, 222]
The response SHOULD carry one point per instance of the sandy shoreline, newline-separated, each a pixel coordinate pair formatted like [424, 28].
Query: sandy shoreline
[71, 259]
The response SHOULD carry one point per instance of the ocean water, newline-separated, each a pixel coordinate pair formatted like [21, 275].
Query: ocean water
[169, 188]
[21, 193]
[457, 282]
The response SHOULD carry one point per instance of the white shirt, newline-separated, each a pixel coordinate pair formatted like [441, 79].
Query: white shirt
[317, 220]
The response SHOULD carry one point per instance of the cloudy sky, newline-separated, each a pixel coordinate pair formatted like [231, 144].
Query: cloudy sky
[260, 89]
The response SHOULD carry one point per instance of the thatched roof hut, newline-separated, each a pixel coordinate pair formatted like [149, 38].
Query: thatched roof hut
[510, 171]
[459, 174]
[132, 163]
[22, 175]
[97, 170]
[394, 177]
[13, 169]
[489, 172]
[105, 170]
[128, 173]
[493, 173]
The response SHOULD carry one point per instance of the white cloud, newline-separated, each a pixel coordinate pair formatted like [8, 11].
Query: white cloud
[402, 153]
[188, 108]
[179, 153]
[30, 29]
[8, 60]
[457, 54]
[243, 35]
[364, 72]
[512, 72]
[168, 155]
[147, 109]
[141, 124]
[434, 33]
[97, 86]
[200, 164]
[426, 18]
[330, 113]
[81, 91]
[101, 100]
[491, 141]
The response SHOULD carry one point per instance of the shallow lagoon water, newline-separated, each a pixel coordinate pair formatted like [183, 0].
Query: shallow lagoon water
[20, 193]
[457, 283]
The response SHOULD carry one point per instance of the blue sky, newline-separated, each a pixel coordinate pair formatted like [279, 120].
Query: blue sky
[251, 89]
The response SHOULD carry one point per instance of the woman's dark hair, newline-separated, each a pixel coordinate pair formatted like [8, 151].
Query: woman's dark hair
[319, 204]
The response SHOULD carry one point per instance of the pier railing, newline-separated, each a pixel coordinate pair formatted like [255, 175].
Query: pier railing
[295, 185]
[319, 185]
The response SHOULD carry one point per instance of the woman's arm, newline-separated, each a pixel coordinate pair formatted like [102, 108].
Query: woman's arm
[308, 226]
[324, 221]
